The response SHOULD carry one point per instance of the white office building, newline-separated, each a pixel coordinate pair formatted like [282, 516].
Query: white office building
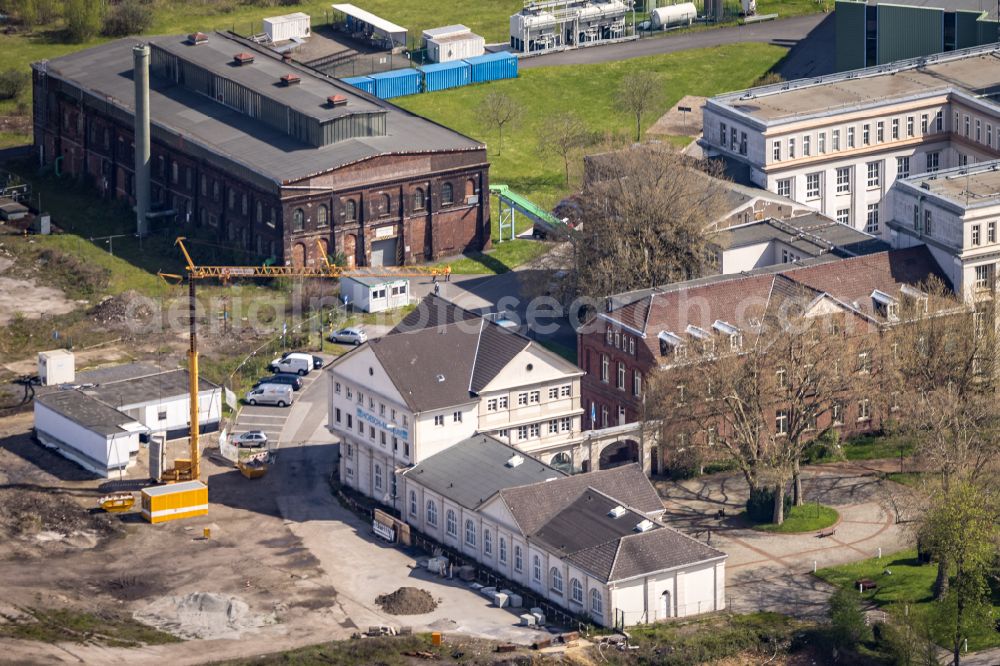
[838, 143]
[443, 374]
[591, 543]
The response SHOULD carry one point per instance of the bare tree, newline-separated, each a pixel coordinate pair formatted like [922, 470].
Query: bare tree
[943, 379]
[639, 93]
[767, 392]
[497, 111]
[563, 136]
[646, 209]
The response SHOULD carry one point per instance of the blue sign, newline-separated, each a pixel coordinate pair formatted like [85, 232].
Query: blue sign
[376, 421]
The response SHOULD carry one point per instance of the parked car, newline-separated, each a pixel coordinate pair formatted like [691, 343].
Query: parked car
[317, 360]
[254, 439]
[270, 394]
[295, 363]
[282, 378]
[350, 336]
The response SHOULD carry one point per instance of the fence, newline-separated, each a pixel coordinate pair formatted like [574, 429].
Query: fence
[343, 66]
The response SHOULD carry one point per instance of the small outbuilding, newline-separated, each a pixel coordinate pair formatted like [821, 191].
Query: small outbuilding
[290, 27]
[375, 294]
[92, 434]
[452, 42]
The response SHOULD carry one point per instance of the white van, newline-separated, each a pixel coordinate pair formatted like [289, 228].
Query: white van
[270, 394]
[295, 363]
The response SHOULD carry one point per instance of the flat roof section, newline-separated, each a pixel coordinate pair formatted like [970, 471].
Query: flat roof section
[89, 412]
[813, 234]
[975, 71]
[966, 187]
[374, 21]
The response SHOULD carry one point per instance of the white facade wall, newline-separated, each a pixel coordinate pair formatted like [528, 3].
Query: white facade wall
[176, 411]
[746, 258]
[284, 28]
[779, 162]
[96, 452]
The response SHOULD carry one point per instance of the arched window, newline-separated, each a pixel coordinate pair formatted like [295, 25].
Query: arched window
[470, 533]
[298, 220]
[419, 199]
[470, 187]
[518, 559]
[536, 569]
[576, 591]
[452, 523]
[350, 210]
[447, 194]
[322, 216]
[432, 513]
[386, 204]
[487, 542]
[556, 580]
[503, 550]
[596, 602]
[413, 502]
[562, 462]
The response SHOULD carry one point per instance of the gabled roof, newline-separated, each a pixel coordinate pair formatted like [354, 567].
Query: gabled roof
[533, 506]
[441, 355]
[744, 300]
[474, 470]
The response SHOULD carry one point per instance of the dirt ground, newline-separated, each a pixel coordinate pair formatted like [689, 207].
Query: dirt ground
[675, 123]
[28, 298]
[56, 551]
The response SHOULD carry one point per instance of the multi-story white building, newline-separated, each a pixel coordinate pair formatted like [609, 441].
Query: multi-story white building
[837, 143]
[443, 374]
[955, 212]
[591, 543]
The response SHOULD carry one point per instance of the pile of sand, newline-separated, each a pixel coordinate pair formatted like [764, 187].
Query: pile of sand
[407, 601]
[203, 615]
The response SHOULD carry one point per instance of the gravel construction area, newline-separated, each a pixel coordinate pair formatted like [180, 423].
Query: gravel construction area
[203, 615]
[407, 601]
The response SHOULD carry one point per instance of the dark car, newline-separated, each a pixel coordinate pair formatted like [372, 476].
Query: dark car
[282, 378]
[317, 360]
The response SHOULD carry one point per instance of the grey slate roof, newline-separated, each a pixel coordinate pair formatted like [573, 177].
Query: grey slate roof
[584, 534]
[473, 470]
[233, 141]
[812, 234]
[150, 388]
[87, 411]
[442, 355]
[533, 506]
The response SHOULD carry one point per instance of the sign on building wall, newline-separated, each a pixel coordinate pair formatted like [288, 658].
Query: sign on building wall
[384, 531]
[385, 232]
[395, 430]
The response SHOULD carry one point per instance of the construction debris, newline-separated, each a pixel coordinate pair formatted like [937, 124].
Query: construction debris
[407, 601]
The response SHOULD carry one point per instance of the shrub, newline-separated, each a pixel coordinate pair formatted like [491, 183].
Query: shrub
[83, 19]
[128, 18]
[760, 505]
[13, 82]
[847, 620]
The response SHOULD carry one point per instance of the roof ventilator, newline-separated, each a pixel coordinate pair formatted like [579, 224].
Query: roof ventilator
[244, 58]
[617, 512]
[290, 79]
[196, 38]
[644, 526]
[336, 100]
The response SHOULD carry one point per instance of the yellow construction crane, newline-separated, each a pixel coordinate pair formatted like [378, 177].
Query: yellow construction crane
[184, 470]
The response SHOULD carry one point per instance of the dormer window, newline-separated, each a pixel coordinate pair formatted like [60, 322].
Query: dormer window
[913, 297]
[703, 337]
[671, 344]
[885, 305]
[730, 331]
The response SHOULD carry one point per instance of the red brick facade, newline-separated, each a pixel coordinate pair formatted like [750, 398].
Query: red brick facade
[391, 196]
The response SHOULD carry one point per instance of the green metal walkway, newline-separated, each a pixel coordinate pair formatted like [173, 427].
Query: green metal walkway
[511, 203]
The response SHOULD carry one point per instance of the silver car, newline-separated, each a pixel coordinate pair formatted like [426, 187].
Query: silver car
[253, 439]
[350, 336]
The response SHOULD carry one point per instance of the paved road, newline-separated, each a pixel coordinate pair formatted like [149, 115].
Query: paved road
[783, 32]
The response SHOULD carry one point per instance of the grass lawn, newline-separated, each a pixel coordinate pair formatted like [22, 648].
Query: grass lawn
[910, 584]
[502, 258]
[805, 518]
[589, 90]
[873, 447]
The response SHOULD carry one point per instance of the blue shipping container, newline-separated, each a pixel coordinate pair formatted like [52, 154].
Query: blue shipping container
[397, 83]
[446, 75]
[493, 66]
[362, 83]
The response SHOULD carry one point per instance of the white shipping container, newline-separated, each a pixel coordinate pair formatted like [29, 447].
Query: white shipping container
[287, 27]
[457, 47]
[56, 367]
